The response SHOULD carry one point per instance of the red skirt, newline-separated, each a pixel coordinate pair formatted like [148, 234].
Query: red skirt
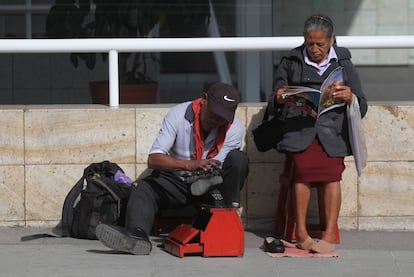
[314, 165]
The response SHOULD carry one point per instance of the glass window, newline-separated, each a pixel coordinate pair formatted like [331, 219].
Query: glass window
[36, 2]
[182, 75]
[12, 26]
[13, 2]
[38, 26]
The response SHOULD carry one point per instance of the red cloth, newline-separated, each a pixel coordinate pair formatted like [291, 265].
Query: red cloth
[292, 251]
[198, 134]
[314, 165]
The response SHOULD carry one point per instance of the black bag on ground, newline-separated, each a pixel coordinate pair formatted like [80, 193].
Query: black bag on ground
[95, 198]
[268, 134]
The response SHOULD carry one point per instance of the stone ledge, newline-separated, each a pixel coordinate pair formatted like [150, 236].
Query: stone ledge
[46, 148]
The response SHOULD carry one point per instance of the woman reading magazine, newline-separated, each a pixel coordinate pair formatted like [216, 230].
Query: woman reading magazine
[317, 144]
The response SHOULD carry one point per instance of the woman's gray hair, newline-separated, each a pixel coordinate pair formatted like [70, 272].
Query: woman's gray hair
[319, 22]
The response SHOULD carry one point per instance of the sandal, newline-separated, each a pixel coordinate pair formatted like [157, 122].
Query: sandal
[323, 247]
[306, 244]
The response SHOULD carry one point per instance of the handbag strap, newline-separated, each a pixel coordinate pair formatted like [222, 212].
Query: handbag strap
[266, 114]
[281, 112]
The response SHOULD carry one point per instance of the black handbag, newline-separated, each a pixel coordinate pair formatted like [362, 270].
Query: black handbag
[268, 134]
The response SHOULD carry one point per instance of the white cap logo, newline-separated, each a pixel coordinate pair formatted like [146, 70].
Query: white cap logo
[228, 99]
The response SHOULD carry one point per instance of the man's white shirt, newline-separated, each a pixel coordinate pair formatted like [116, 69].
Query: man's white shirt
[176, 136]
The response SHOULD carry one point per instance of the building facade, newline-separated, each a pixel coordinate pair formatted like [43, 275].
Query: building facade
[182, 76]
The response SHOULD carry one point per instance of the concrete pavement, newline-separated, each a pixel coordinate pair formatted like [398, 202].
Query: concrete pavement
[361, 254]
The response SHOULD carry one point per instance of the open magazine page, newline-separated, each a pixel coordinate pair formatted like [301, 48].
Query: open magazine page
[327, 103]
[320, 98]
[310, 94]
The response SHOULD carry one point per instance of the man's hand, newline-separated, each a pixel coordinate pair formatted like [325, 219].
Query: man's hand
[205, 165]
[168, 163]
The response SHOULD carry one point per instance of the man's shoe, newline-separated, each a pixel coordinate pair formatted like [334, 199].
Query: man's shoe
[216, 199]
[202, 185]
[191, 177]
[134, 241]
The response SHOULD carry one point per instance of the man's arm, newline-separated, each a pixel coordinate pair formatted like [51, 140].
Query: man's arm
[167, 163]
[234, 138]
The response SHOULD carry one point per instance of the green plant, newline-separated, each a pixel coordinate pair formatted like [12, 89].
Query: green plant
[106, 19]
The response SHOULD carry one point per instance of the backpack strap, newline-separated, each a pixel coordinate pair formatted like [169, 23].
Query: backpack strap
[114, 195]
[37, 236]
[67, 211]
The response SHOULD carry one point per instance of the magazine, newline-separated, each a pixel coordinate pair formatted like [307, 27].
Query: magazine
[321, 99]
[356, 135]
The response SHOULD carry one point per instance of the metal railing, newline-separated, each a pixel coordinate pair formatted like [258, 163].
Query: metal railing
[114, 46]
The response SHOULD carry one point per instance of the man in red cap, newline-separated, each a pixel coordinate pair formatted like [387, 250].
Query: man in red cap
[195, 156]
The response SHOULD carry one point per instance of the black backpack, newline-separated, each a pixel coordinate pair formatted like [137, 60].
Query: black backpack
[95, 198]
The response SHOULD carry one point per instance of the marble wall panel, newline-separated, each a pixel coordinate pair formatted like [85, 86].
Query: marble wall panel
[263, 189]
[12, 194]
[349, 187]
[48, 185]
[148, 123]
[348, 216]
[12, 135]
[386, 189]
[380, 199]
[46, 188]
[348, 223]
[389, 132]
[72, 136]
[393, 223]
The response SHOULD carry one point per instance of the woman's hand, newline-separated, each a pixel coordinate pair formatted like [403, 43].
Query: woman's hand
[343, 93]
[279, 93]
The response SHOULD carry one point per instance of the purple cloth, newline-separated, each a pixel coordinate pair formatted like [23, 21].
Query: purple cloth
[121, 177]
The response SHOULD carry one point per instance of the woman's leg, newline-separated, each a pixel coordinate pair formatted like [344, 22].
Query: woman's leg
[302, 193]
[332, 201]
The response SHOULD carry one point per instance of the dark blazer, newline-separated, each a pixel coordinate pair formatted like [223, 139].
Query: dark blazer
[299, 129]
